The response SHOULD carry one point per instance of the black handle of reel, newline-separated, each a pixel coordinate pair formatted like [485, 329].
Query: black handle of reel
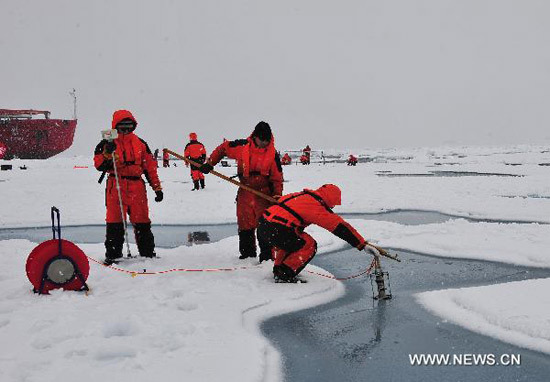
[54, 212]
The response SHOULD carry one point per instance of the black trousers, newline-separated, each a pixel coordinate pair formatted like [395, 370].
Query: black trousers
[280, 236]
[247, 245]
[114, 240]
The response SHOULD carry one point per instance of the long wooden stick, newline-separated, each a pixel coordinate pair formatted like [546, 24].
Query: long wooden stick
[213, 172]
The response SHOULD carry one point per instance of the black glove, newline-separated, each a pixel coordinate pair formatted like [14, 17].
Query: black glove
[110, 147]
[205, 168]
[160, 196]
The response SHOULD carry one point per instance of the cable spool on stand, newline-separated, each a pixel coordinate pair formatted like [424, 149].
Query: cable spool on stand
[57, 263]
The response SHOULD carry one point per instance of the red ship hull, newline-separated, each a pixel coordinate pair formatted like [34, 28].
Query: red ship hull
[36, 138]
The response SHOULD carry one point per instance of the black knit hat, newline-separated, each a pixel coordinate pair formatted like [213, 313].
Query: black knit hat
[262, 131]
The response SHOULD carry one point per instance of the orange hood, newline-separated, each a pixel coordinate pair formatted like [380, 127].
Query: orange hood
[331, 194]
[119, 115]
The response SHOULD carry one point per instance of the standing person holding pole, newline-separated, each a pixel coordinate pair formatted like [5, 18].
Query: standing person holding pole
[258, 167]
[125, 192]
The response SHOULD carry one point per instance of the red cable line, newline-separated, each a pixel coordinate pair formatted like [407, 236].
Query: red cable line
[136, 273]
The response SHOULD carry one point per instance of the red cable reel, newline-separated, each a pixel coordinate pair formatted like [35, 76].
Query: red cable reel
[57, 263]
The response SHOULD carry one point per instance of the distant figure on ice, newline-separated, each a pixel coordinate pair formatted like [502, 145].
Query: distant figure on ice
[133, 159]
[196, 152]
[286, 160]
[303, 159]
[156, 156]
[165, 159]
[282, 228]
[259, 167]
[352, 160]
[307, 153]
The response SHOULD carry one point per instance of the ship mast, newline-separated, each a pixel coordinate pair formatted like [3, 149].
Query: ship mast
[73, 94]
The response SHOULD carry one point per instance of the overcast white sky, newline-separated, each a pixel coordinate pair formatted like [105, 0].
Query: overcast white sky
[332, 74]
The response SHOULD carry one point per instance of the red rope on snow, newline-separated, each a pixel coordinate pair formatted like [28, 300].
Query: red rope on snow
[136, 273]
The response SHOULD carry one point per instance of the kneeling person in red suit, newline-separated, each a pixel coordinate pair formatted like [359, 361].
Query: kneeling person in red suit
[282, 227]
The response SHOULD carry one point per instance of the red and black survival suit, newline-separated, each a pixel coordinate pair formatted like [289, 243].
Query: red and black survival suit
[195, 151]
[352, 160]
[133, 159]
[282, 227]
[260, 169]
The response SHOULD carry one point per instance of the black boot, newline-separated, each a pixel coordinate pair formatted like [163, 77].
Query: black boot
[247, 243]
[144, 239]
[202, 183]
[265, 250]
[196, 185]
[114, 240]
[283, 273]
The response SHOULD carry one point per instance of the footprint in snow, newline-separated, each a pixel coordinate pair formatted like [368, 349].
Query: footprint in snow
[120, 329]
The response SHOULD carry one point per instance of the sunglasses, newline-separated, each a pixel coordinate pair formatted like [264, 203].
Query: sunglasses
[125, 127]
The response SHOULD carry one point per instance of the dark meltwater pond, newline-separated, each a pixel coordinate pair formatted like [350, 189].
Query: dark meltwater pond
[447, 174]
[358, 339]
[166, 236]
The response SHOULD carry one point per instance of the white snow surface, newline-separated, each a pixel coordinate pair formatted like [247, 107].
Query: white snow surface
[194, 326]
[204, 326]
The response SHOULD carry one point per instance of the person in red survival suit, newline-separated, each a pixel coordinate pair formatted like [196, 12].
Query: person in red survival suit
[165, 159]
[282, 227]
[286, 160]
[307, 153]
[133, 159]
[259, 167]
[195, 151]
[352, 160]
